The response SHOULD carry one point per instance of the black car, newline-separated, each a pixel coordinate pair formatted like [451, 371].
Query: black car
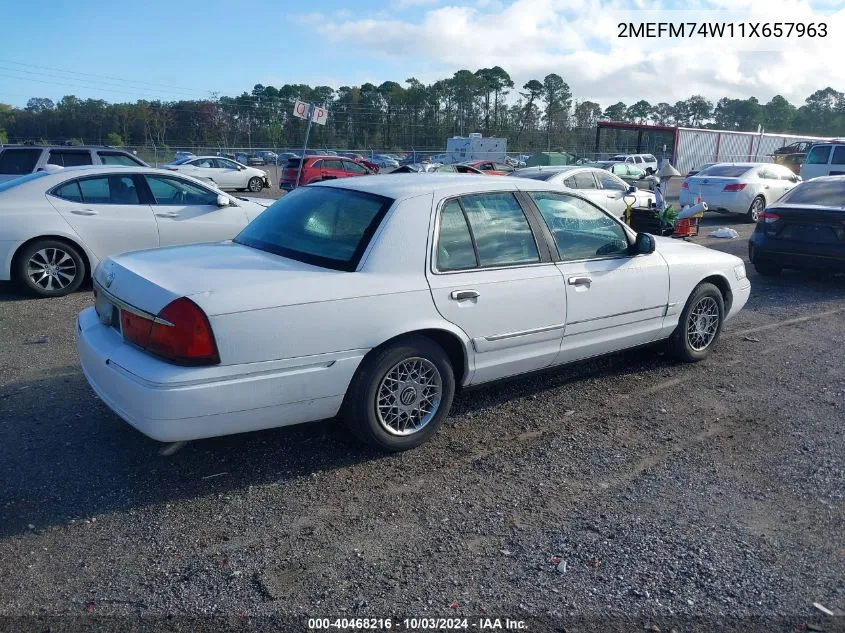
[804, 229]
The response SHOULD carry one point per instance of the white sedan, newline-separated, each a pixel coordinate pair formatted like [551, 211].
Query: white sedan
[223, 172]
[607, 190]
[56, 226]
[741, 188]
[375, 298]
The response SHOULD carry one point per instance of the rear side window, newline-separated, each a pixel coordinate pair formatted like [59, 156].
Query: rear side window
[67, 158]
[649, 158]
[819, 155]
[724, 171]
[116, 158]
[70, 191]
[14, 161]
[501, 231]
[101, 190]
[638, 159]
[455, 250]
[839, 155]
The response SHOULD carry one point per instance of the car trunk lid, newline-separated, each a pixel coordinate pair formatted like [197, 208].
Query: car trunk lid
[221, 278]
[805, 223]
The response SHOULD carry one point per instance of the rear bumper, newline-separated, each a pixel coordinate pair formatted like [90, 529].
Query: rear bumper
[170, 403]
[795, 254]
[730, 202]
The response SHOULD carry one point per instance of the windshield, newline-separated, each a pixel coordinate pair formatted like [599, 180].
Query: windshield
[824, 193]
[323, 226]
[14, 182]
[725, 171]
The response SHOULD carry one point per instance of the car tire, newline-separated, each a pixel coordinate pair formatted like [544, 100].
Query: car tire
[49, 268]
[425, 387]
[700, 324]
[758, 205]
[255, 184]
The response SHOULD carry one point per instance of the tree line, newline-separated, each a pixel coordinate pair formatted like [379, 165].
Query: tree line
[542, 114]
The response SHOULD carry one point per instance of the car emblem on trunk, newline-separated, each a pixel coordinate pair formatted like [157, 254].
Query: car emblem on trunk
[109, 279]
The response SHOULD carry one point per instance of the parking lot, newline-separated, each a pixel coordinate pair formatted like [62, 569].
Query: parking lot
[628, 486]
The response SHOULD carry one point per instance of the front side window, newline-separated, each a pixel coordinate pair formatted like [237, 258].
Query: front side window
[638, 159]
[611, 182]
[69, 158]
[323, 226]
[502, 234]
[355, 168]
[333, 165]
[819, 155]
[455, 250]
[116, 158]
[580, 229]
[222, 163]
[839, 155]
[175, 191]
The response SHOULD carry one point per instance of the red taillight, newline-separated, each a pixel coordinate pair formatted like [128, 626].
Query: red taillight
[685, 185]
[769, 217]
[181, 333]
[735, 187]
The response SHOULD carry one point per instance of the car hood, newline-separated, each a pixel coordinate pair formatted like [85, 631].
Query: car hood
[680, 252]
[261, 202]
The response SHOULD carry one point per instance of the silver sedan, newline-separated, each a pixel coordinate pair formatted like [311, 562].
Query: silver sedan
[607, 190]
[742, 188]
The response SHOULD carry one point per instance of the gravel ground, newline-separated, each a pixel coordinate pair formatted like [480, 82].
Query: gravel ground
[629, 487]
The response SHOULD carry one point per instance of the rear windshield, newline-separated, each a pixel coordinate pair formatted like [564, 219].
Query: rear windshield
[14, 182]
[825, 193]
[19, 161]
[323, 226]
[725, 171]
[534, 175]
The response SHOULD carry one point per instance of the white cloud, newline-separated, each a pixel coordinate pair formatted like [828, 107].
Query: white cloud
[578, 40]
[405, 4]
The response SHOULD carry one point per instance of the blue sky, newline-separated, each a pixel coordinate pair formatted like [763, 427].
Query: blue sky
[190, 49]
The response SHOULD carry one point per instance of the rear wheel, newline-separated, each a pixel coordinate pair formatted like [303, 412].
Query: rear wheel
[758, 205]
[400, 396]
[700, 324]
[256, 184]
[49, 268]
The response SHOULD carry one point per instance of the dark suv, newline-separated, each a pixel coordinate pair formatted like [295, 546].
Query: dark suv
[19, 160]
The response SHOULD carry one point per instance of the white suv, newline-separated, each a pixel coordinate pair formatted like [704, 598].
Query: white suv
[643, 161]
[824, 159]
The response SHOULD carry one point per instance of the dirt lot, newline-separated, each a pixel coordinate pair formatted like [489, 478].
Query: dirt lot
[631, 487]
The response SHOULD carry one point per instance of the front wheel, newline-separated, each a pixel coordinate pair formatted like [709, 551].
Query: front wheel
[49, 268]
[700, 324]
[400, 396]
[256, 184]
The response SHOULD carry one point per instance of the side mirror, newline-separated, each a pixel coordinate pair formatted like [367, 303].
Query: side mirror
[796, 179]
[631, 191]
[222, 201]
[644, 244]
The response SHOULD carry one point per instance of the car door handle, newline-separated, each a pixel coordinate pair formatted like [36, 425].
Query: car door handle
[84, 212]
[463, 295]
[168, 214]
[580, 281]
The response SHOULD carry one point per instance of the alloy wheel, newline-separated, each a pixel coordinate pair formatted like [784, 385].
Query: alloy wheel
[408, 396]
[51, 269]
[703, 323]
[757, 208]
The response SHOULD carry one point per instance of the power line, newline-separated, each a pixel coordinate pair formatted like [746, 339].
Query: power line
[121, 79]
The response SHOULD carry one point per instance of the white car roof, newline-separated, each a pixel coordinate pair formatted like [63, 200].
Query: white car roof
[66, 173]
[410, 185]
